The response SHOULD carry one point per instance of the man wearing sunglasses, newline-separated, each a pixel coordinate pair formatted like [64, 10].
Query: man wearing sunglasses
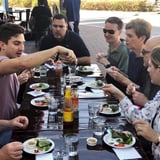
[137, 33]
[118, 53]
[60, 35]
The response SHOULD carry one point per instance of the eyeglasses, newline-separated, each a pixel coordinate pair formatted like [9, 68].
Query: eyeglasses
[144, 52]
[110, 31]
[56, 26]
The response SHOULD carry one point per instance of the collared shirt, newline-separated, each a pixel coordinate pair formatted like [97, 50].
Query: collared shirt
[71, 40]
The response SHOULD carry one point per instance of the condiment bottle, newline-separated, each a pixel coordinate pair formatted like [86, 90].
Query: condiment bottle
[59, 68]
[75, 97]
[68, 109]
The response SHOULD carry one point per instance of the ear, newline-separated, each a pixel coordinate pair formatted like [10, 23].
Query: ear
[143, 38]
[1, 44]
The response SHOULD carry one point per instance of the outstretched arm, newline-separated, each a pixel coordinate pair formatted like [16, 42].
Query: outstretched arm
[8, 66]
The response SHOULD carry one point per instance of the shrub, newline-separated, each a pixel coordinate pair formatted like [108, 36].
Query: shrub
[118, 5]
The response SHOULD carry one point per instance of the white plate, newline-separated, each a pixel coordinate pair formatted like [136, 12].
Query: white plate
[108, 111]
[39, 85]
[85, 69]
[76, 79]
[33, 102]
[113, 143]
[34, 149]
[94, 85]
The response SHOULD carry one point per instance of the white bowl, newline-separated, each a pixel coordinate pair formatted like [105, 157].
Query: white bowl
[91, 141]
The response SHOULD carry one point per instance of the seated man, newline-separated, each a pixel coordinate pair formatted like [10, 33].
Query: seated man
[118, 53]
[140, 96]
[137, 33]
[60, 35]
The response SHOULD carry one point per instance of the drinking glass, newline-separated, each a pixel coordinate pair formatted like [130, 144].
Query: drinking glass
[52, 113]
[72, 69]
[71, 142]
[93, 109]
[60, 154]
[36, 72]
[43, 71]
[99, 126]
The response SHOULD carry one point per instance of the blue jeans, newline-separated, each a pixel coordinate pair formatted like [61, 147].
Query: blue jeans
[5, 137]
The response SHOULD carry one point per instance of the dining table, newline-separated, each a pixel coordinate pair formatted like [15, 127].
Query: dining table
[39, 125]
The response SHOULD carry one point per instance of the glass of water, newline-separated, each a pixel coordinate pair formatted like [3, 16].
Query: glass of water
[93, 109]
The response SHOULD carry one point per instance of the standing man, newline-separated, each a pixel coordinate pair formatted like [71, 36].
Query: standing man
[73, 14]
[60, 35]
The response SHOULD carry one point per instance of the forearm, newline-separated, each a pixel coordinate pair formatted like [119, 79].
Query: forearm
[5, 124]
[84, 60]
[126, 81]
[26, 62]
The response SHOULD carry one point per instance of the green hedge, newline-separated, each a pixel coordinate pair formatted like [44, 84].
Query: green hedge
[118, 5]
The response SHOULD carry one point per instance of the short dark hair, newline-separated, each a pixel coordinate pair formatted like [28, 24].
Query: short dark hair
[9, 30]
[60, 16]
[115, 20]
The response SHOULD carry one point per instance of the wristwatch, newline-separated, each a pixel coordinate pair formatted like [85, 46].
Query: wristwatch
[107, 66]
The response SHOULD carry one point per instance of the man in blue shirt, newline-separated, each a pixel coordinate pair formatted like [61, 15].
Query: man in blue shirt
[60, 35]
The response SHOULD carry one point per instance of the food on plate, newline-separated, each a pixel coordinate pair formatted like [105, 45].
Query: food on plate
[39, 145]
[85, 68]
[122, 137]
[97, 84]
[38, 86]
[109, 108]
[75, 78]
[40, 102]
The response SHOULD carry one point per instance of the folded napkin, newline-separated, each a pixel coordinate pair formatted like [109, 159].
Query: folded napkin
[95, 94]
[49, 66]
[127, 153]
[35, 94]
[47, 156]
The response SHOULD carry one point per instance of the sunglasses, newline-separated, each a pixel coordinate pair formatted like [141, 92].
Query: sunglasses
[56, 26]
[144, 52]
[110, 31]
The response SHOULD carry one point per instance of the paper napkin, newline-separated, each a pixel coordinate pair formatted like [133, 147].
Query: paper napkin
[47, 156]
[95, 94]
[127, 153]
[35, 94]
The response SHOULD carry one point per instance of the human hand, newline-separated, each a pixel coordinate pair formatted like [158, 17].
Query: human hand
[23, 77]
[67, 55]
[19, 122]
[110, 89]
[139, 98]
[131, 88]
[101, 58]
[12, 151]
[144, 129]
